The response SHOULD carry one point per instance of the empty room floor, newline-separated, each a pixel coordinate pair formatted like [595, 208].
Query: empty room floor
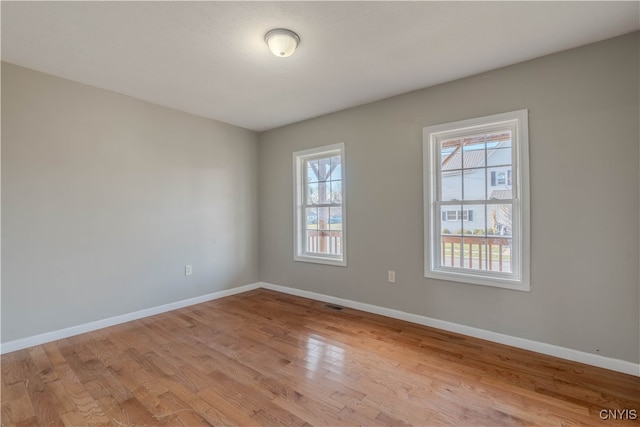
[266, 358]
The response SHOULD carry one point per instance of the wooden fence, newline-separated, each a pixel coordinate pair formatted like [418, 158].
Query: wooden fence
[324, 242]
[475, 250]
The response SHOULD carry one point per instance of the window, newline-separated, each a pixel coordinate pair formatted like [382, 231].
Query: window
[500, 178]
[476, 201]
[319, 205]
[457, 215]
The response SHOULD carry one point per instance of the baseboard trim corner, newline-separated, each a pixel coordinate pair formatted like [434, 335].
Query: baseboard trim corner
[617, 365]
[46, 337]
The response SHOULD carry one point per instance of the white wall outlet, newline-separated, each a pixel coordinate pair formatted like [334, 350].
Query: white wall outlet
[391, 276]
[188, 270]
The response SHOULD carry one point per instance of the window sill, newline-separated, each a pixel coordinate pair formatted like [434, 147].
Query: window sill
[321, 260]
[476, 279]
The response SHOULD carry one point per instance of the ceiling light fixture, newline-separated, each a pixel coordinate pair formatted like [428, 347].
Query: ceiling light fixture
[282, 42]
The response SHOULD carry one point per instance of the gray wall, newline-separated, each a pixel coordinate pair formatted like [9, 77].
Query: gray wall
[584, 151]
[106, 198]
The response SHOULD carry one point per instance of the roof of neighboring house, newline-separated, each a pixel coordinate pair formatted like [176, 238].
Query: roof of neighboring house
[472, 159]
[500, 194]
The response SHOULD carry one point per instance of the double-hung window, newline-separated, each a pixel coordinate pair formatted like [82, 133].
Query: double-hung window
[476, 201]
[319, 205]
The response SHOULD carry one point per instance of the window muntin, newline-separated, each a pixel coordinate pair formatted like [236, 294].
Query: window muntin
[319, 205]
[478, 166]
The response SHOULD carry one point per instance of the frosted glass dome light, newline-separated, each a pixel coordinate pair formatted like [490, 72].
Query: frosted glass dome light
[282, 42]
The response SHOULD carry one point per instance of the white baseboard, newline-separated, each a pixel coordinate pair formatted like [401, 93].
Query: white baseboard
[539, 347]
[19, 344]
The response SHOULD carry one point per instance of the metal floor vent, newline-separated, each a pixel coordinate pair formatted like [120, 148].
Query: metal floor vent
[333, 307]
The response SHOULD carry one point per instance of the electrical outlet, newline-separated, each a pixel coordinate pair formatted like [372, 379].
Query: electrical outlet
[391, 276]
[188, 270]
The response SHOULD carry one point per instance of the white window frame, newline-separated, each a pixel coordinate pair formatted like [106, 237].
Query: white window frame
[519, 279]
[300, 253]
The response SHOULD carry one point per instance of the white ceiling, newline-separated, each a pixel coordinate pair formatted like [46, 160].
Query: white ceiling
[210, 58]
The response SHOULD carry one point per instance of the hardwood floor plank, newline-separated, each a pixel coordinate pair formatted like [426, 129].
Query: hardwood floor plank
[228, 407]
[45, 409]
[360, 413]
[108, 386]
[185, 395]
[74, 419]
[265, 358]
[19, 402]
[171, 409]
[46, 370]
[256, 401]
[111, 409]
[134, 413]
[83, 400]
[312, 412]
[62, 400]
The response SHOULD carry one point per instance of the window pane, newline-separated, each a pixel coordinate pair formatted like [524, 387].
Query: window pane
[334, 244]
[500, 219]
[323, 242]
[323, 218]
[312, 167]
[500, 255]
[451, 186]
[502, 178]
[312, 242]
[473, 253]
[497, 184]
[450, 250]
[474, 216]
[449, 146]
[336, 192]
[500, 237]
[450, 155]
[324, 191]
[499, 148]
[335, 218]
[324, 166]
[473, 152]
[311, 218]
[473, 220]
[450, 222]
[336, 166]
[474, 242]
[499, 156]
[451, 236]
[474, 184]
[503, 138]
[312, 194]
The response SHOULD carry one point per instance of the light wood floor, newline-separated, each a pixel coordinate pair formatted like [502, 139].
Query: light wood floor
[265, 358]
